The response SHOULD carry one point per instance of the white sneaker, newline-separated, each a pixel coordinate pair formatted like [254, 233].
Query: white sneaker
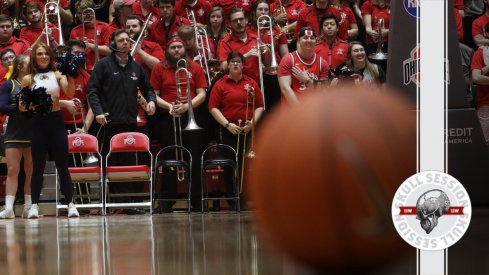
[7, 213]
[33, 212]
[72, 212]
[25, 213]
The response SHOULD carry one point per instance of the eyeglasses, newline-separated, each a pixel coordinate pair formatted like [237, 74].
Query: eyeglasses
[235, 62]
[8, 58]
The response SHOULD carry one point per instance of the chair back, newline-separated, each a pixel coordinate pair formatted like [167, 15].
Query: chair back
[219, 151]
[129, 142]
[82, 143]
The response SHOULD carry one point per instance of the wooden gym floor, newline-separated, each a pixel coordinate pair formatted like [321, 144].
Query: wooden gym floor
[178, 243]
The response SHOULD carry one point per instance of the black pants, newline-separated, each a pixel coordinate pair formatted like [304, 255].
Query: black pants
[194, 141]
[49, 134]
[272, 91]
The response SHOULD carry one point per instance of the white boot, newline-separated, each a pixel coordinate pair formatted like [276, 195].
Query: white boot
[7, 213]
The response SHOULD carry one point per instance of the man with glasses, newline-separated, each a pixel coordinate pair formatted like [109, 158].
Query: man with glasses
[302, 69]
[231, 105]
[243, 41]
[7, 41]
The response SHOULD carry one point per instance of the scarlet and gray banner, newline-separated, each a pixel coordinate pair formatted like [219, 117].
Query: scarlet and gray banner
[468, 158]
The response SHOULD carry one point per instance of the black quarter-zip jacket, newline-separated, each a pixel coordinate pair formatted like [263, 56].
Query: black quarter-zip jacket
[113, 89]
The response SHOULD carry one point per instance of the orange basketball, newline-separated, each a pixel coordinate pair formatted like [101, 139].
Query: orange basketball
[325, 175]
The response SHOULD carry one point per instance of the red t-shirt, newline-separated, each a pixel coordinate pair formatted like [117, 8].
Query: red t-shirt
[31, 33]
[62, 3]
[482, 90]
[334, 53]
[293, 8]
[317, 69]
[346, 19]
[479, 24]
[376, 13]
[309, 18]
[458, 4]
[229, 5]
[81, 82]
[136, 10]
[103, 37]
[19, 46]
[159, 34]
[163, 80]
[232, 43]
[151, 48]
[265, 38]
[200, 9]
[230, 98]
[459, 25]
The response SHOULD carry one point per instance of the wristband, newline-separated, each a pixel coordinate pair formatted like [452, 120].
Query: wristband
[227, 125]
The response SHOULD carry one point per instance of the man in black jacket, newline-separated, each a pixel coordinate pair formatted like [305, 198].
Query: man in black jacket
[113, 90]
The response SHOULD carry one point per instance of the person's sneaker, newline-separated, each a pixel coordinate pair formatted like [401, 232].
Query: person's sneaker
[25, 213]
[33, 212]
[7, 213]
[72, 212]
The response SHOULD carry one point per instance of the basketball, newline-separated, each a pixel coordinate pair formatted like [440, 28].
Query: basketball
[325, 175]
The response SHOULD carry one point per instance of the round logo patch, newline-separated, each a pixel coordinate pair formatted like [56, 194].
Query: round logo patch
[431, 210]
[411, 6]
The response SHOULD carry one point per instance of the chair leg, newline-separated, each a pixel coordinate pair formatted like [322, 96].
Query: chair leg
[189, 186]
[203, 186]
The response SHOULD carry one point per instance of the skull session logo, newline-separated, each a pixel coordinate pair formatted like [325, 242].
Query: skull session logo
[431, 210]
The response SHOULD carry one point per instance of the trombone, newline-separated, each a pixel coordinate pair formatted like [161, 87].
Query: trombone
[141, 35]
[379, 54]
[88, 16]
[52, 9]
[265, 22]
[182, 66]
[250, 99]
[90, 158]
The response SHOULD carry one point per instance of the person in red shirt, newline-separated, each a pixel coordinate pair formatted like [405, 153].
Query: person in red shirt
[288, 19]
[121, 10]
[229, 5]
[7, 56]
[243, 41]
[271, 88]
[72, 108]
[478, 27]
[174, 107]
[148, 53]
[311, 16]
[301, 70]
[216, 29]
[236, 103]
[7, 41]
[348, 28]
[200, 8]
[35, 32]
[64, 10]
[372, 12]
[143, 8]
[331, 48]
[480, 76]
[102, 33]
[162, 30]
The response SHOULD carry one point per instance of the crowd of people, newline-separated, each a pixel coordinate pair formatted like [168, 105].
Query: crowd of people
[244, 58]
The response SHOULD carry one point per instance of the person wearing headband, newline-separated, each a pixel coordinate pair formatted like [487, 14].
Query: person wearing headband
[302, 69]
[173, 112]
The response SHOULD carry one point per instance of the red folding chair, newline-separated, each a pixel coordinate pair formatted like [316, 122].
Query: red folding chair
[125, 143]
[80, 144]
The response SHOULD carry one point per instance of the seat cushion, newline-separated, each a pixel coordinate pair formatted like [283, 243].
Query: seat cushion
[128, 173]
[85, 174]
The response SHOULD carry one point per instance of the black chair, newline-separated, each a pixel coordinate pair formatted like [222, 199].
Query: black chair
[220, 155]
[182, 164]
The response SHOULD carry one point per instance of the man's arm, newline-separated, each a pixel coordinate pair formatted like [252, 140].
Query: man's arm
[93, 89]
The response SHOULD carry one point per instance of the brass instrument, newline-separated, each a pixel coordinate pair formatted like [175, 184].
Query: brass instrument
[265, 22]
[52, 9]
[88, 16]
[207, 62]
[182, 66]
[90, 158]
[250, 99]
[379, 54]
[141, 35]
[279, 11]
